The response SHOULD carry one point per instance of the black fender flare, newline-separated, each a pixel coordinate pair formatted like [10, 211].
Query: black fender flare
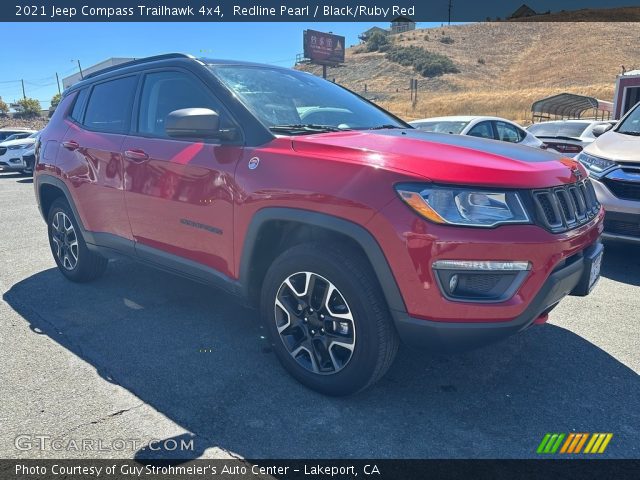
[46, 179]
[352, 230]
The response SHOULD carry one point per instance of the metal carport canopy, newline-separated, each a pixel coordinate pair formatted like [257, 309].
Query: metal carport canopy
[569, 105]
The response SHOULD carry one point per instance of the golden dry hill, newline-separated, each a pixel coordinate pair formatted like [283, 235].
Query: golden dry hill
[504, 67]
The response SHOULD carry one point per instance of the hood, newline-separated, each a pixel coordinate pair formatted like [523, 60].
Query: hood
[20, 141]
[616, 146]
[442, 158]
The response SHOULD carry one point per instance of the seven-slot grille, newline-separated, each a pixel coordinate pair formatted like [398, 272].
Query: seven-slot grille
[565, 207]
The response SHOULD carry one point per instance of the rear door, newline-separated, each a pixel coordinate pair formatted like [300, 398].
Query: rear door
[179, 191]
[91, 155]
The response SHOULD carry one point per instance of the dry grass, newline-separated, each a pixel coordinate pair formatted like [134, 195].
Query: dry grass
[512, 104]
[522, 63]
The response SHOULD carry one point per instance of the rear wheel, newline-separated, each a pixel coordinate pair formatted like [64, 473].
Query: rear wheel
[74, 259]
[327, 320]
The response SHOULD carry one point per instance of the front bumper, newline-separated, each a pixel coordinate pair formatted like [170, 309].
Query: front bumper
[570, 278]
[12, 163]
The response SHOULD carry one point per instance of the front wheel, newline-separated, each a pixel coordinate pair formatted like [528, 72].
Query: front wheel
[327, 320]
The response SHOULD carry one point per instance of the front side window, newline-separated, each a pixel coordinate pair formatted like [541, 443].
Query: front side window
[109, 106]
[281, 98]
[164, 92]
[482, 130]
[631, 124]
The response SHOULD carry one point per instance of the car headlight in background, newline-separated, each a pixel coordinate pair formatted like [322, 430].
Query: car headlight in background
[18, 147]
[595, 165]
[464, 206]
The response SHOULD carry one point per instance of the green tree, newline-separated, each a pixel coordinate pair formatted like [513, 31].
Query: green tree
[29, 107]
[376, 41]
[4, 108]
[427, 64]
[55, 100]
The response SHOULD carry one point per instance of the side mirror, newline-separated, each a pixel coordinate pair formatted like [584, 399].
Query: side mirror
[193, 123]
[600, 129]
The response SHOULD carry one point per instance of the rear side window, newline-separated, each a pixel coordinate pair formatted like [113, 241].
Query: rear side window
[78, 105]
[508, 133]
[482, 130]
[109, 107]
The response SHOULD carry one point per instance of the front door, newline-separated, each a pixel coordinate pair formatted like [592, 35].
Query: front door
[179, 192]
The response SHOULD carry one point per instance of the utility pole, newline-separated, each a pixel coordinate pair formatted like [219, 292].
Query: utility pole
[24, 95]
[80, 68]
[450, 5]
[58, 82]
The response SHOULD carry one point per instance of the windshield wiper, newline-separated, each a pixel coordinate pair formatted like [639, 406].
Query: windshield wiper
[629, 132]
[386, 126]
[305, 127]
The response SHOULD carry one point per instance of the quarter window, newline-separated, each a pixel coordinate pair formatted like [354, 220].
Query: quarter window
[78, 106]
[109, 107]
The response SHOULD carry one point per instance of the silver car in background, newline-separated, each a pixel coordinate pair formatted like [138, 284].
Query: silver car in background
[613, 162]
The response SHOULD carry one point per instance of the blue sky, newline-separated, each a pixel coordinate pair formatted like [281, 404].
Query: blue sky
[43, 49]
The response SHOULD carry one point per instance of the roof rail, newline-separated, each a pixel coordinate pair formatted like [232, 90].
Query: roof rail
[137, 61]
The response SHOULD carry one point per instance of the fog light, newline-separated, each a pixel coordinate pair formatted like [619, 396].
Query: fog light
[479, 280]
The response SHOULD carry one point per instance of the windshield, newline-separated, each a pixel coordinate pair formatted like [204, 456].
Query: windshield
[558, 129]
[16, 136]
[631, 124]
[297, 102]
[448, 126]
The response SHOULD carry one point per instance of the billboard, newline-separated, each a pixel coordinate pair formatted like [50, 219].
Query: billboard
[323, 48]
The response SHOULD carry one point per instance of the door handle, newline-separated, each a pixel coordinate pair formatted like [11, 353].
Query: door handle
[71, 145]
[136, 155]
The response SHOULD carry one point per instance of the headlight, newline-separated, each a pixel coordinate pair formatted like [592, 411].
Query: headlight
[15, 147]
[464, 206]
[595, 165]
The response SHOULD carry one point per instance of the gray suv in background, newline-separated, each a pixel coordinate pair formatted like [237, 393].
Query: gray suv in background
[613, 162]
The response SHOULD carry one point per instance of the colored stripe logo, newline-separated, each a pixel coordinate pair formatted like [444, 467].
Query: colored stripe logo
[574, 443]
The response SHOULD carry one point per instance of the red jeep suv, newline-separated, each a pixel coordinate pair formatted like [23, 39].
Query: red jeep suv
[349, 229]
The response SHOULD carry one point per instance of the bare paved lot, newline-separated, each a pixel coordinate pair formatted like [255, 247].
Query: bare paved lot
[143, 355]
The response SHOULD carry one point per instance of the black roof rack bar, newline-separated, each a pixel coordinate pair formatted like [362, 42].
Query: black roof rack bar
[137, 61]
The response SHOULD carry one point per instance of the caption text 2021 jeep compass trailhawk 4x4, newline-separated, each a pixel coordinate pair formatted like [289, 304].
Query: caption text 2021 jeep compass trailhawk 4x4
[348, 228]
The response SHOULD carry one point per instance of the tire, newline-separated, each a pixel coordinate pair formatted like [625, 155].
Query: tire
[357, 342]
[74, 259]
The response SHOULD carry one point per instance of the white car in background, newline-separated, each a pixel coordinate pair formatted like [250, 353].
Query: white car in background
[494, 128]
[570, 137]
[12, 152]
